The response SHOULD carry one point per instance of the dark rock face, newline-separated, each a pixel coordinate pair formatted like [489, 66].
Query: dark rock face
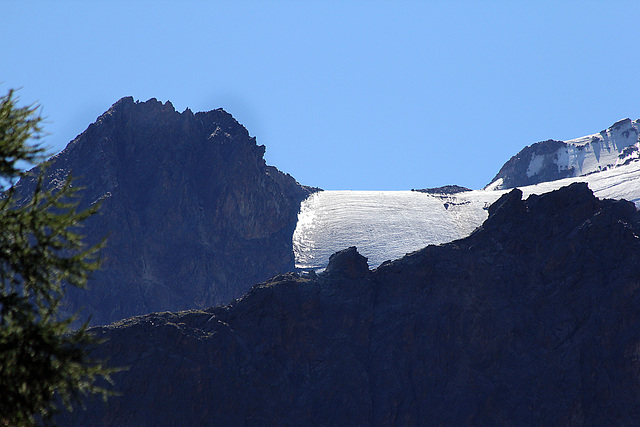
[514, 173]
[347, 263]
[533, 319]
[445, 189]
[193, 214]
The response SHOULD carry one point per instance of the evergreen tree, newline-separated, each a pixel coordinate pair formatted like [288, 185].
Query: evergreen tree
[44, 362]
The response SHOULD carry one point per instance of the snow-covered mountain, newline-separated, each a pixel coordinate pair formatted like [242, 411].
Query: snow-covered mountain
[386, 225]
[551, 160]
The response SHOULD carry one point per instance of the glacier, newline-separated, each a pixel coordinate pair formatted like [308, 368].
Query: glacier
[385, 225]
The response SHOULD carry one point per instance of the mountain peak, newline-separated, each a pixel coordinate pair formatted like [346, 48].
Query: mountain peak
[623, 123]
[128, 102]
[193, 213]
[552, 160]
[127, 107]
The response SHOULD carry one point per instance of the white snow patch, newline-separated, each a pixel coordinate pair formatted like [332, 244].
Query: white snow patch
[535, 165]
[495, 185]
[563, 159]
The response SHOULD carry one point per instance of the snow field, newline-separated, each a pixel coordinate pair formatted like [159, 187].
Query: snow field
[386, 225]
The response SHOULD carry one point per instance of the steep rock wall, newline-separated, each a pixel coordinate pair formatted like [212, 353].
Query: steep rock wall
[192, 214]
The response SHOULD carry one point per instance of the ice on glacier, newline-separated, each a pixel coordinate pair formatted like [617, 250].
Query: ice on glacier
[386, 225]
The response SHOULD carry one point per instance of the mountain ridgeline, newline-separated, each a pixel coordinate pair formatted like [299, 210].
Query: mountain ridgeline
[552, 160]
[534, 319]
[192, 214]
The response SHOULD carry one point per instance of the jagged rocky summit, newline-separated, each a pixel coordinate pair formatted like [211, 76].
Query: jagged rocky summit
[534, 319]
[192, 214]
[552, 160]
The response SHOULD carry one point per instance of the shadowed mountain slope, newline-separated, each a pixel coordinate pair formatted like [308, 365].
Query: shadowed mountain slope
[532, 319]
[192, 213]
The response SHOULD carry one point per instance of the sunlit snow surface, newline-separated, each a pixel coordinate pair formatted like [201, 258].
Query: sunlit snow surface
[382, 224]
[386, 225]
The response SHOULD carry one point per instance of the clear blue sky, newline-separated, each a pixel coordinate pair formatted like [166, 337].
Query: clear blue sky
[344, 94]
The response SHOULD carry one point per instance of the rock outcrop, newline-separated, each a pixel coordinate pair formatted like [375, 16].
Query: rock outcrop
[552, 160]
[347, 263]
[532, 319]
[192, 214]
[445, 189]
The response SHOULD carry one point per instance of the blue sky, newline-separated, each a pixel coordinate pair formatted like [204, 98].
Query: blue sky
[362, 95]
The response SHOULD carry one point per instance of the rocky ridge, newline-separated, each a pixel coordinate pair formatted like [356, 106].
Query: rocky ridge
[552, 160]
[532, 319]
[445, 189]
[192, 214]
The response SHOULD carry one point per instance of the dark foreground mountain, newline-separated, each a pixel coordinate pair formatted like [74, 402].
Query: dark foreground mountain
[552, 160]
[193, 214]
[532, 319]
